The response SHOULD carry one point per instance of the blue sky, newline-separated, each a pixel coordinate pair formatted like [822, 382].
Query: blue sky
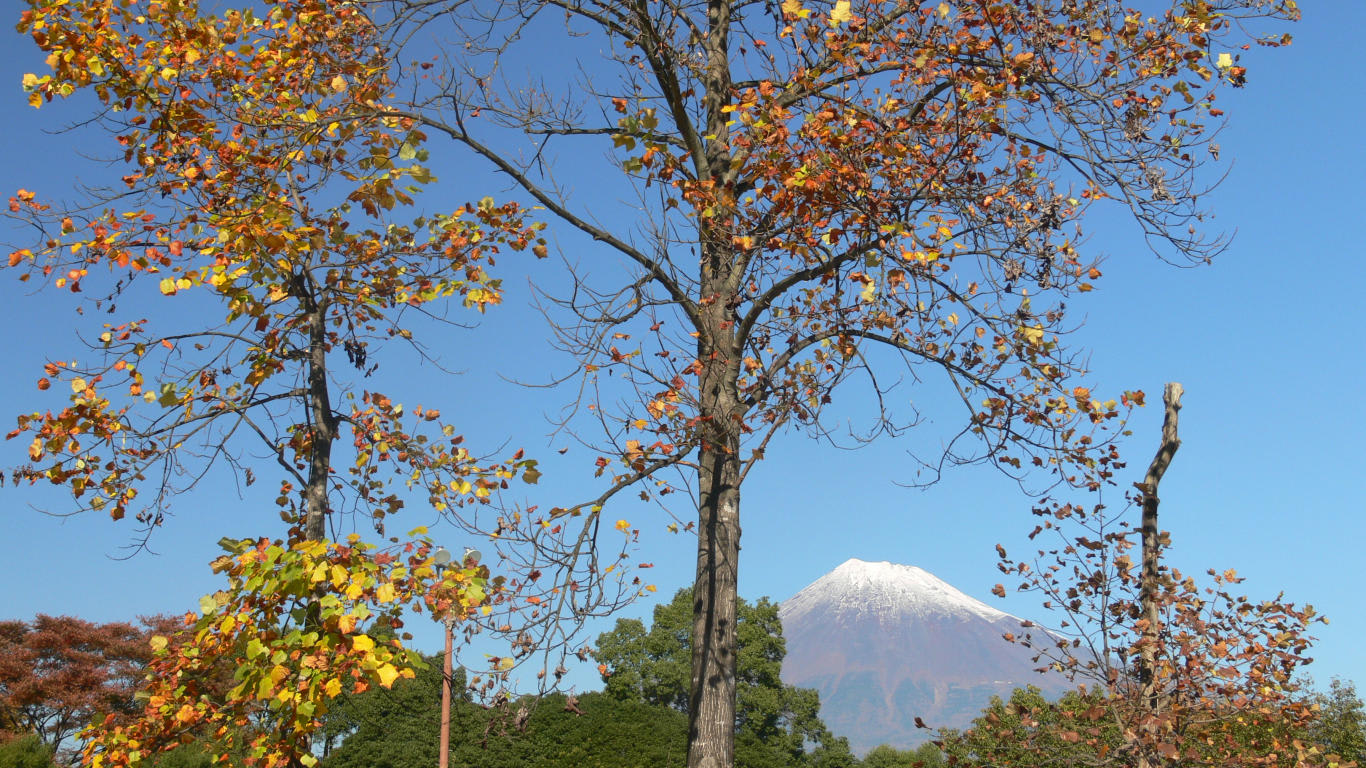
[1266, 341]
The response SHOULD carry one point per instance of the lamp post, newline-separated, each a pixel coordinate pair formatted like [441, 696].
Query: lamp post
[441, 559]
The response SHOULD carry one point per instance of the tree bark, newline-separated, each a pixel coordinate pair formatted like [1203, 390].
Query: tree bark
[1150, 583]
[322, 423]
[711, 696]
[711, 706]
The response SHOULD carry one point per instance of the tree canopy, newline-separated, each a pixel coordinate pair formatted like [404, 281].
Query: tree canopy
[1340, 727]
[887, 756]
[58, 672]
[398, 728]
[776, 724]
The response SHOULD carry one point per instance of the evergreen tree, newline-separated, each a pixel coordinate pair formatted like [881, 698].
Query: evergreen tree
[399, 728]
[776, 725]
[26, 752]
[1341, 726]
[887, 756]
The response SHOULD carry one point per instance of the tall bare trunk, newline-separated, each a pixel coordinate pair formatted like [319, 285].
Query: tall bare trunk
[711, 706]
[1150, 584]
[322, 422]
[711, 697]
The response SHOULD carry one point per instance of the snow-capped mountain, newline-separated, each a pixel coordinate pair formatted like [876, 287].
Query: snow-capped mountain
[886, 643]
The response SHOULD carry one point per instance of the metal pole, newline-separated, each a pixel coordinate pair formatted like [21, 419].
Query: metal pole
[446, 700]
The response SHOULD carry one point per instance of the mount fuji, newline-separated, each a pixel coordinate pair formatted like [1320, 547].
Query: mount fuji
[886, 643]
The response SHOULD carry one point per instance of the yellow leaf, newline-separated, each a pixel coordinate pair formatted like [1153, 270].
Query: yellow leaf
[1225, 61]
[944, 10]
[869, 291]
[158, 643]
[168, 286]
[387, 675]
[332, 687]
[338, 84]
[622, 525]
[362, 643]
[78, 385]
[385, 593]
[840, 13]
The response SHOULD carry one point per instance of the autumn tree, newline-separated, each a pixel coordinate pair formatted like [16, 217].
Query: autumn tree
[1174, 671]
[258, 252]
[57, 672]
[825, 195]
[1029, 729]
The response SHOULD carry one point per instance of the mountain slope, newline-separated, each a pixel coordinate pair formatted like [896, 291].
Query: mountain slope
[885, 643]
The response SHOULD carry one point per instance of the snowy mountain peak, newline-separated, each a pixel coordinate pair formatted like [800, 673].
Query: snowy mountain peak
[888, 645]
[893, 591]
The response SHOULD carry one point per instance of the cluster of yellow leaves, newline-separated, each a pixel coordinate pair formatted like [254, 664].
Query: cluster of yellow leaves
[295, 627]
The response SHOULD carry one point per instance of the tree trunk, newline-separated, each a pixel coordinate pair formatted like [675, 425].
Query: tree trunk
[711, 696]
[322, 423]
[711, 705]
[1150, 583]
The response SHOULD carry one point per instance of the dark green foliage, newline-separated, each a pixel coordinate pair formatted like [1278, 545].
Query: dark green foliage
[400, 728]
[609, 734]
[886, 756]
[26, 752]
[777, 725]
[638, 722]
[188, 756]
[1341, 726]
[394, 727]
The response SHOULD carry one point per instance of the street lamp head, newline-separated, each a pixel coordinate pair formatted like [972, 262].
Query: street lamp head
[472, 556]
[441, 558]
